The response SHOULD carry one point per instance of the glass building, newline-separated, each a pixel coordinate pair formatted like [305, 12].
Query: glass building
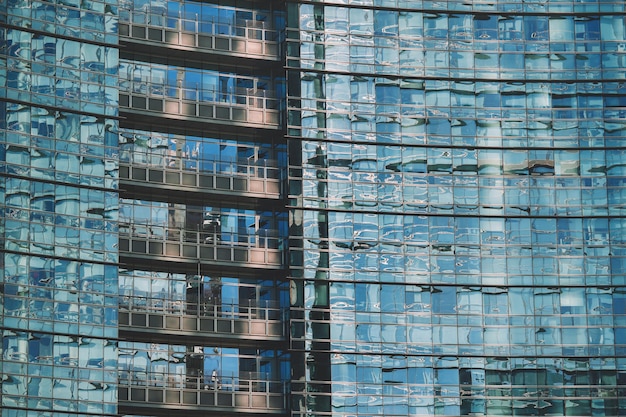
[59, 199]
[144, 232]
[456, 195]
[203, 294]
[312, 208]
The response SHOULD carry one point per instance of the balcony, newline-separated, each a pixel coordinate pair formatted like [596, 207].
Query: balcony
[234, 322]
[245, 38]
[247, 392]
[260, 179]
[161, 243]
[248, 107]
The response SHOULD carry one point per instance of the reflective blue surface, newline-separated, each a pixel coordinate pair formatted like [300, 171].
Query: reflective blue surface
[459, 207]
[58, 163]
[203, 299]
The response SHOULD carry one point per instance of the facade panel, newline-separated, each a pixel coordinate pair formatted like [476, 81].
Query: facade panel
[203, 290]
[312, 208]
[455, 234]
[58, 128]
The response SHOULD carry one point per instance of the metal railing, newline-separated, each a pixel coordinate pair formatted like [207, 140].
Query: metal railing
[255, 29]
[264, 248]
[249, 105]
[249, 37]
[262, 168]
[263, 176]
[241, 382]
[236, 96]
[262, 311]
[246, 389]
[261, 239]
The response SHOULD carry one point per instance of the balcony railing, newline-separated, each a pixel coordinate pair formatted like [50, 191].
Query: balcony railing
[263, 249]
[260, 178]
[246, 390]
[263, 321]
[246, 105]
[250, 38]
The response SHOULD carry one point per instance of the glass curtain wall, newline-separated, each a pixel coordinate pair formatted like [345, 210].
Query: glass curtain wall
[59, 199]
[206, 321]
[456, 232]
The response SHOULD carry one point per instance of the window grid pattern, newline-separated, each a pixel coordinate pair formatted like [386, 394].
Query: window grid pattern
[458, 187]
[58, 196]
[64, 73]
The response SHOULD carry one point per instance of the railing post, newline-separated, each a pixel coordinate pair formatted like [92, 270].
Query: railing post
[232, 318]
[180, 25]
[196, 104]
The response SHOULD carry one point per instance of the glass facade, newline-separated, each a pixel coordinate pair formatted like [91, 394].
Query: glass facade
[312, 208]
[59, 199]
[455, 182]
[203, 295]
[144, 232]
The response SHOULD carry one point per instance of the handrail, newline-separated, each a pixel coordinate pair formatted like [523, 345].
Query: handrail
[243, 382]
[208, 309]
[204, 25]
[238, 97]
[250, 106]
[262, 238]
[254, 169]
